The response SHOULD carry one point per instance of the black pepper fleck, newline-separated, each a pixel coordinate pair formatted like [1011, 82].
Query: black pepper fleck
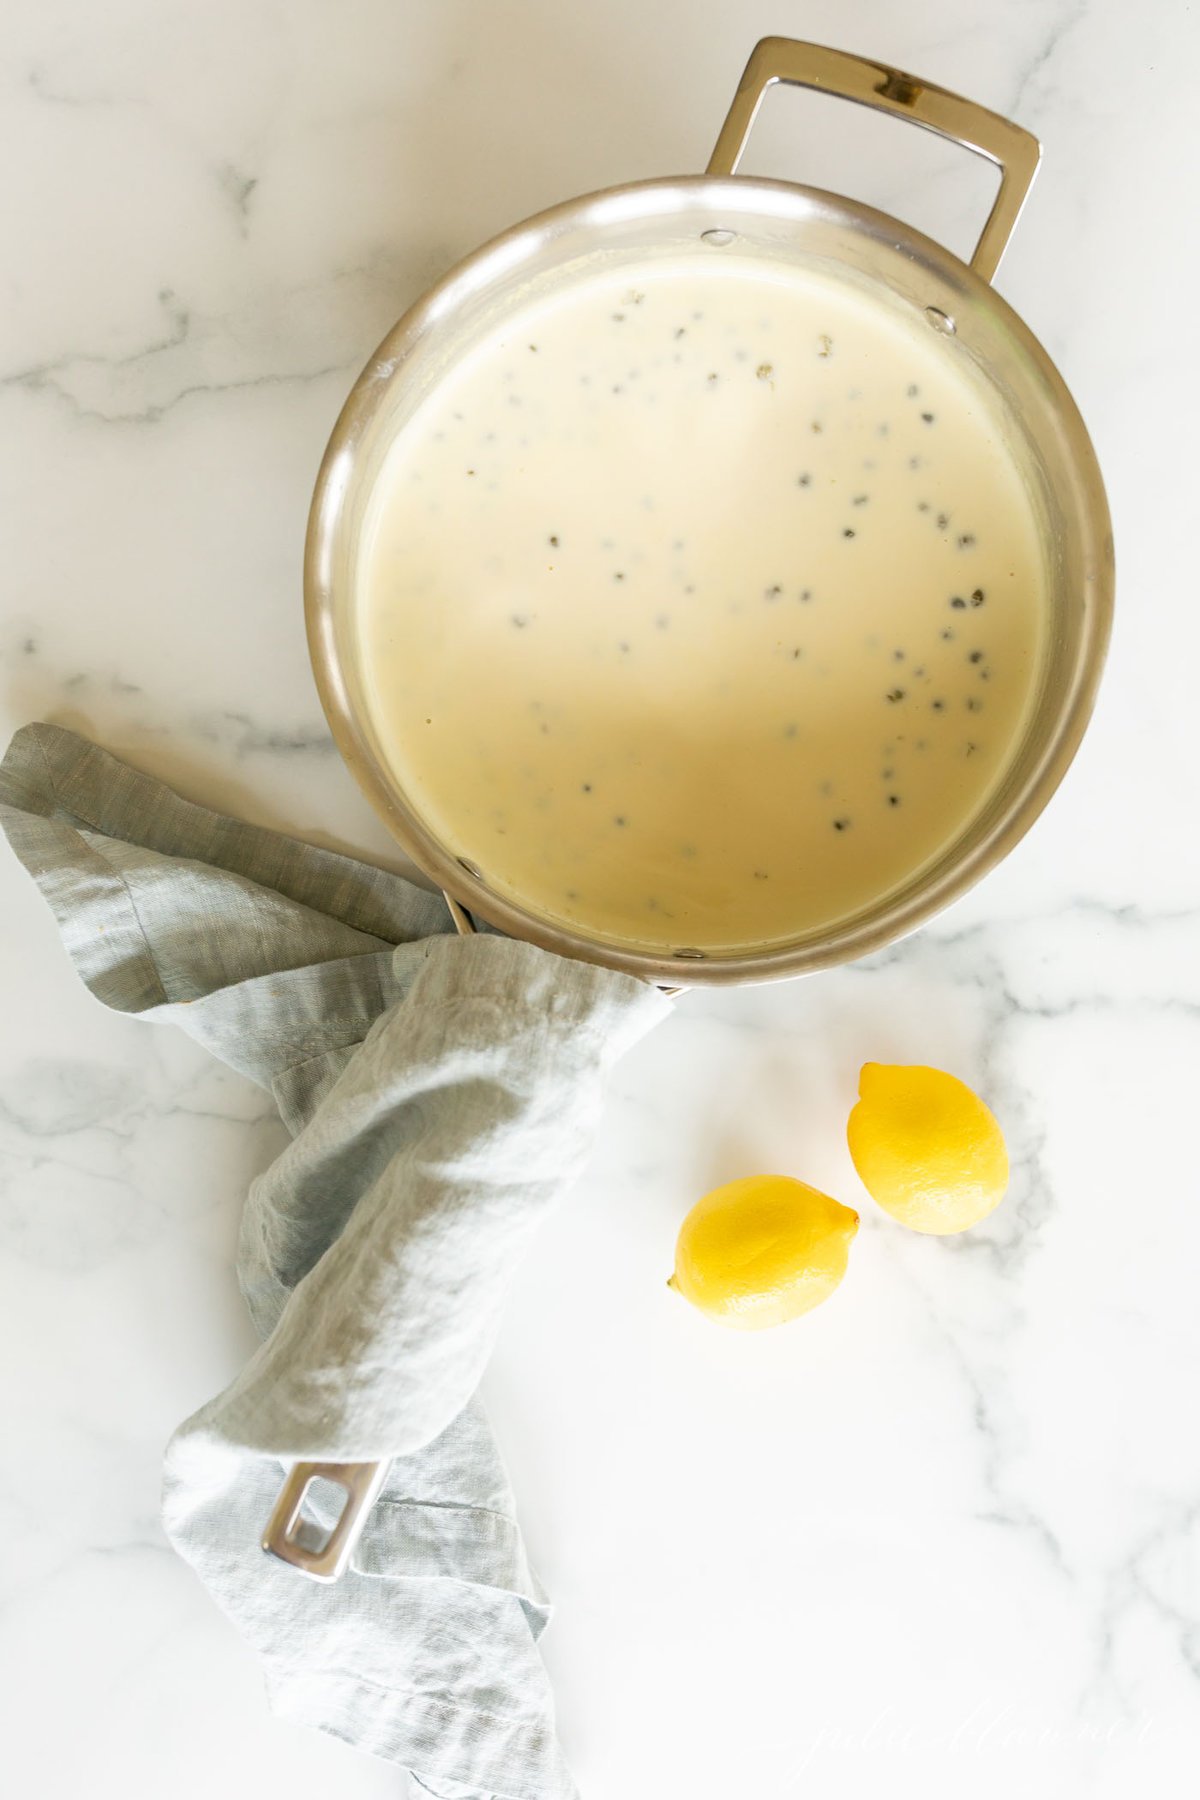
[841, 824]
[928, 418]
[894, 695]
[966, 539]
[977, 597]
[958, 603]
[804, 481]
[847, 531]
[893, 799]
[976, 656]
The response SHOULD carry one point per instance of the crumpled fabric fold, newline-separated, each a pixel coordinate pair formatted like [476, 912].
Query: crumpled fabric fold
[441, 1093]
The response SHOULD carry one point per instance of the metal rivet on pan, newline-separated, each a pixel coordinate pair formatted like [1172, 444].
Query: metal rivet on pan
[940, 321]
[689, 955]
[717, 237]
[470, 867]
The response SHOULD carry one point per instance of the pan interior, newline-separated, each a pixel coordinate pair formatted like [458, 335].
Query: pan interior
[776, 894]
[701, 603]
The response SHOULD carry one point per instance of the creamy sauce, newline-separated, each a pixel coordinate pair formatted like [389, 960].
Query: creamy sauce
[701, 604]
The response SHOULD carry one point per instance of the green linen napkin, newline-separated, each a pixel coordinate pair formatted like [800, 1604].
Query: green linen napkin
[441, 1092]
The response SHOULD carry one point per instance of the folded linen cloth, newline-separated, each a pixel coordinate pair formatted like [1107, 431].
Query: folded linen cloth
[441, 1092]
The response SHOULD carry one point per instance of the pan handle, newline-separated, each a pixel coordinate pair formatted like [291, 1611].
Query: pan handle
[1015, 152]
[289, 1537]
[286, 1532]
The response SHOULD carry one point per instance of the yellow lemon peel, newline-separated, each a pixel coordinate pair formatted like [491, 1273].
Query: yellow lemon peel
[926, 1148]
[761, 1251]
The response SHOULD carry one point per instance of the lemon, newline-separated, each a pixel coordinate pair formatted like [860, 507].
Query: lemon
[761, 1251]
[926, 1148]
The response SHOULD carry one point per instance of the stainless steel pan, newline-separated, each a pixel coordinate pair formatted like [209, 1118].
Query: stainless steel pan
[776, 220]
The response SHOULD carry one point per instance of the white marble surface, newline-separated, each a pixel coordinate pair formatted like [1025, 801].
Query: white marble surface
[945, 1533]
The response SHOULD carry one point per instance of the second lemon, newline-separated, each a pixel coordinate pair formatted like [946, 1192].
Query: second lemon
[926, 1148]
[761, 1251]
